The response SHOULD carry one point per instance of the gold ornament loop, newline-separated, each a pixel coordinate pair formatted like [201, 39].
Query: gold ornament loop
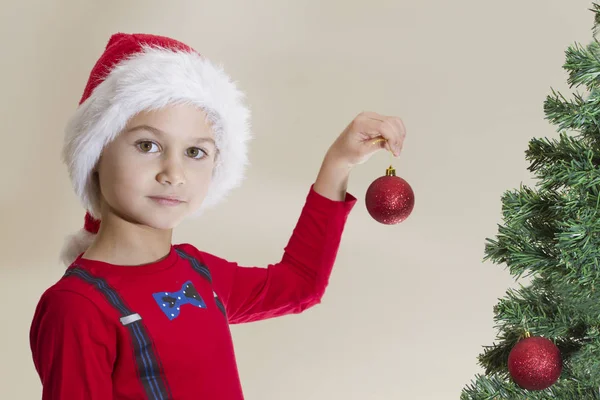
[384, 140]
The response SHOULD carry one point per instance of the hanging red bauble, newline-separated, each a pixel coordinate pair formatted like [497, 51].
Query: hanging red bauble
[535, 363]
[390, 199]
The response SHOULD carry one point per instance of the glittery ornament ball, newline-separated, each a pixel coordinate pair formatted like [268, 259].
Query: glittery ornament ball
[535, 363]
[389, 200]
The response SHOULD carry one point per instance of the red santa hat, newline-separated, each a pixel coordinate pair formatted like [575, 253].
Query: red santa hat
[140, 72]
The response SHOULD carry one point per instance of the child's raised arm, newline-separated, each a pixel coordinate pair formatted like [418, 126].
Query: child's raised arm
[299, 280]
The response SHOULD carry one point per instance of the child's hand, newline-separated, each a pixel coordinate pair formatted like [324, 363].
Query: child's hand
[368, 133]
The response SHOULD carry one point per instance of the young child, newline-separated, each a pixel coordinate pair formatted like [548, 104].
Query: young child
[161, 134]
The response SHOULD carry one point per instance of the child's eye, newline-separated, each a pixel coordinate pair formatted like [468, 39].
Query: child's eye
[146, 146]
[196, 153]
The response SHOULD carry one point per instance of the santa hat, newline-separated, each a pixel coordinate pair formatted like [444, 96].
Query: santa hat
[140, 72]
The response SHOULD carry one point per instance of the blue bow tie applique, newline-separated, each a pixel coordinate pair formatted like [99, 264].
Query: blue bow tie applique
[171, 303]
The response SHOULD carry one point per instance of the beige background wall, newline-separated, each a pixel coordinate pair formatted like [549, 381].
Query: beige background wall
[409, 306]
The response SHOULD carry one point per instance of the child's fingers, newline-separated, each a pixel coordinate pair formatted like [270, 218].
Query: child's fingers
[398, 132]
[382, 143]
[401, 130]
[389, 133]
[385, 128]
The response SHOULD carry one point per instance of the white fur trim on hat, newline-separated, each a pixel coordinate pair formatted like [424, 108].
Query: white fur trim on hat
[152, 79]
[74, 245]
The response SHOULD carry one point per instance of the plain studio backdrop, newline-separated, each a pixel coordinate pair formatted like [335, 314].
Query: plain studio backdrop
[409, 306]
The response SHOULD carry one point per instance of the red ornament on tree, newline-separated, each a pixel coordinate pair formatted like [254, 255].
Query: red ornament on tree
[389, 199]
[535, 363]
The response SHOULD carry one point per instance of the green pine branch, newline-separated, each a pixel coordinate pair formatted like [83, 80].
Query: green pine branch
[583, 65]
[495, 388]
[579, 114]
[566, 162]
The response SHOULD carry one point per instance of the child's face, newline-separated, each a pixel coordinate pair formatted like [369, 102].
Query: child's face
[164, 153]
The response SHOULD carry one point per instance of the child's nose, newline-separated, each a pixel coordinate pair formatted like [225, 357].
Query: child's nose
[171, 174]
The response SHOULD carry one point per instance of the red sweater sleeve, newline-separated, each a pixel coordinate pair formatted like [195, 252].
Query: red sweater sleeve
[73, 347]
[299, 280]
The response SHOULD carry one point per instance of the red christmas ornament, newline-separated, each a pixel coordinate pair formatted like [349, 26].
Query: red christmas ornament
[389, 199]
[535, 363]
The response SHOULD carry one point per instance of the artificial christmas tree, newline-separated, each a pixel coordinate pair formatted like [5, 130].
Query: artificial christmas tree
[551, 234]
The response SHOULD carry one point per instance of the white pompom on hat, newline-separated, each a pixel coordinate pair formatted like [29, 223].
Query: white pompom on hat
[138, 72]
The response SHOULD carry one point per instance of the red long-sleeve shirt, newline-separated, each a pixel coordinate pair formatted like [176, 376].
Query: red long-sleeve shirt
[161, 331]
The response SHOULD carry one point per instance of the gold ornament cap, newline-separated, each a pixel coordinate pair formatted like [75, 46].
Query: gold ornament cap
[390, 171]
